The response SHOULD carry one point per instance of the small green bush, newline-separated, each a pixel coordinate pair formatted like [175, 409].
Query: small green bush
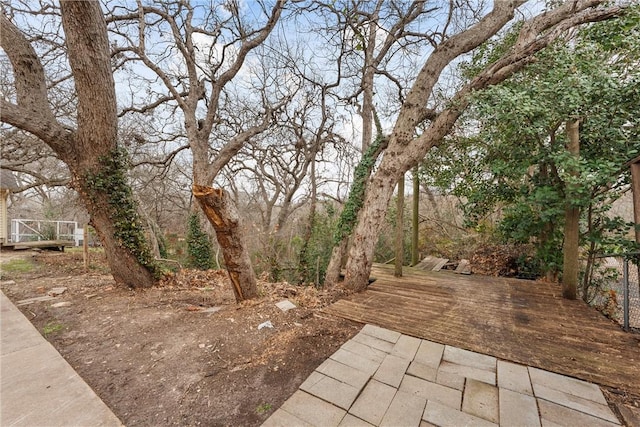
[199, 247]
[316, 252]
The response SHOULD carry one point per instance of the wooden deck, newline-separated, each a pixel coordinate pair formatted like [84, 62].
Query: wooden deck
[57, 245]
[522, 321]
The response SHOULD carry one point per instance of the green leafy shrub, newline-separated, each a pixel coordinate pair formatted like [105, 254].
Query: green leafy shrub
[199, 248]
[316, 252]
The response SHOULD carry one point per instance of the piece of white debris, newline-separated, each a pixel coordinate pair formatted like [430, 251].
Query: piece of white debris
[34, 299]
[266, 324]
[61, 304]
[285, 305]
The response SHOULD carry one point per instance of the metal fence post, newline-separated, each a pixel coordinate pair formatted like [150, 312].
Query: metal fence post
[625, 293]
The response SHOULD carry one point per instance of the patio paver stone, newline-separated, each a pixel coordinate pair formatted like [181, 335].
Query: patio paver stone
[514, 377]
[383, 378]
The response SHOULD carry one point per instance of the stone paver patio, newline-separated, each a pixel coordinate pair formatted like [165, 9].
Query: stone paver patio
[384, 378]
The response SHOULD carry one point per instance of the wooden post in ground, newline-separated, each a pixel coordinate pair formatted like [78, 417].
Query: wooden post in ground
[571, 247]
[635, 189]
[400, 228]
[415, 223]
[85, 247]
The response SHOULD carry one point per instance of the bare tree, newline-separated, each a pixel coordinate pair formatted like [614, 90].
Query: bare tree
[36, 162]
[90, 148]
[196, 51]
[406, 150]
[279, 170]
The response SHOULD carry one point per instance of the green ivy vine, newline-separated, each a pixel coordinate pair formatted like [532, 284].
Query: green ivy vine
[355, 201]
[199, 247]
[111, 181]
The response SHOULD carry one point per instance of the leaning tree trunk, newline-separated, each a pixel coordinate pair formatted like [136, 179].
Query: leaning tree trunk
[366, 233]
[223, 216]
[125, 266]
[100, 178]
[355, 201]
[406, 150]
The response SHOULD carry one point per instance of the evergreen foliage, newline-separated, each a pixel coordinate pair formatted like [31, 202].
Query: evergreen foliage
[355, 200]
[516, 159]
[316, 252]
[199, 247]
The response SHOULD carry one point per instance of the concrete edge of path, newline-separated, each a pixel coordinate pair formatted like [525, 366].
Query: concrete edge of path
[37, 385]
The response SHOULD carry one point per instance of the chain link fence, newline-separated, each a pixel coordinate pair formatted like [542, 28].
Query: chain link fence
[620, 300]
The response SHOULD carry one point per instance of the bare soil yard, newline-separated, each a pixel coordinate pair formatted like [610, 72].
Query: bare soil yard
[182, 353]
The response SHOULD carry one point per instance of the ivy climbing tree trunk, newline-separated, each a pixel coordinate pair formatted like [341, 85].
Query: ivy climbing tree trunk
[223, 215]
[349, 215]
[571, 245]
[97, 167]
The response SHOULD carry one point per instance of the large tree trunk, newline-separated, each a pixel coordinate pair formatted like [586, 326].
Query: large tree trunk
[571, 246]
[366, 233]
[223, 216]
[351, 210]
[96, 138]
[124, 265]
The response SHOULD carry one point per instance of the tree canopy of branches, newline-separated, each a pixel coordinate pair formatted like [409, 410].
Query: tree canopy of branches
[211, 85]
[195, 51]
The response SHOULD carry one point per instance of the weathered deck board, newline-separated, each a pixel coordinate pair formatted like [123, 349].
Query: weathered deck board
[522, 321]
[58, 245]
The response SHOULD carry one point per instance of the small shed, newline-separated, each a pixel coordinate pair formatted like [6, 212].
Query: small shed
[8, 185]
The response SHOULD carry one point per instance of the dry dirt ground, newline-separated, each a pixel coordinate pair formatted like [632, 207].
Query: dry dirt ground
[182, 353]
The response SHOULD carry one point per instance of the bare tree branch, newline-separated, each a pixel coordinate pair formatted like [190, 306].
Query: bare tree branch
[32, 111]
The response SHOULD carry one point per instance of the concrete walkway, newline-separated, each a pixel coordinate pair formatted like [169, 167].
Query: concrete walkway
[37, 386]
[383, 378]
